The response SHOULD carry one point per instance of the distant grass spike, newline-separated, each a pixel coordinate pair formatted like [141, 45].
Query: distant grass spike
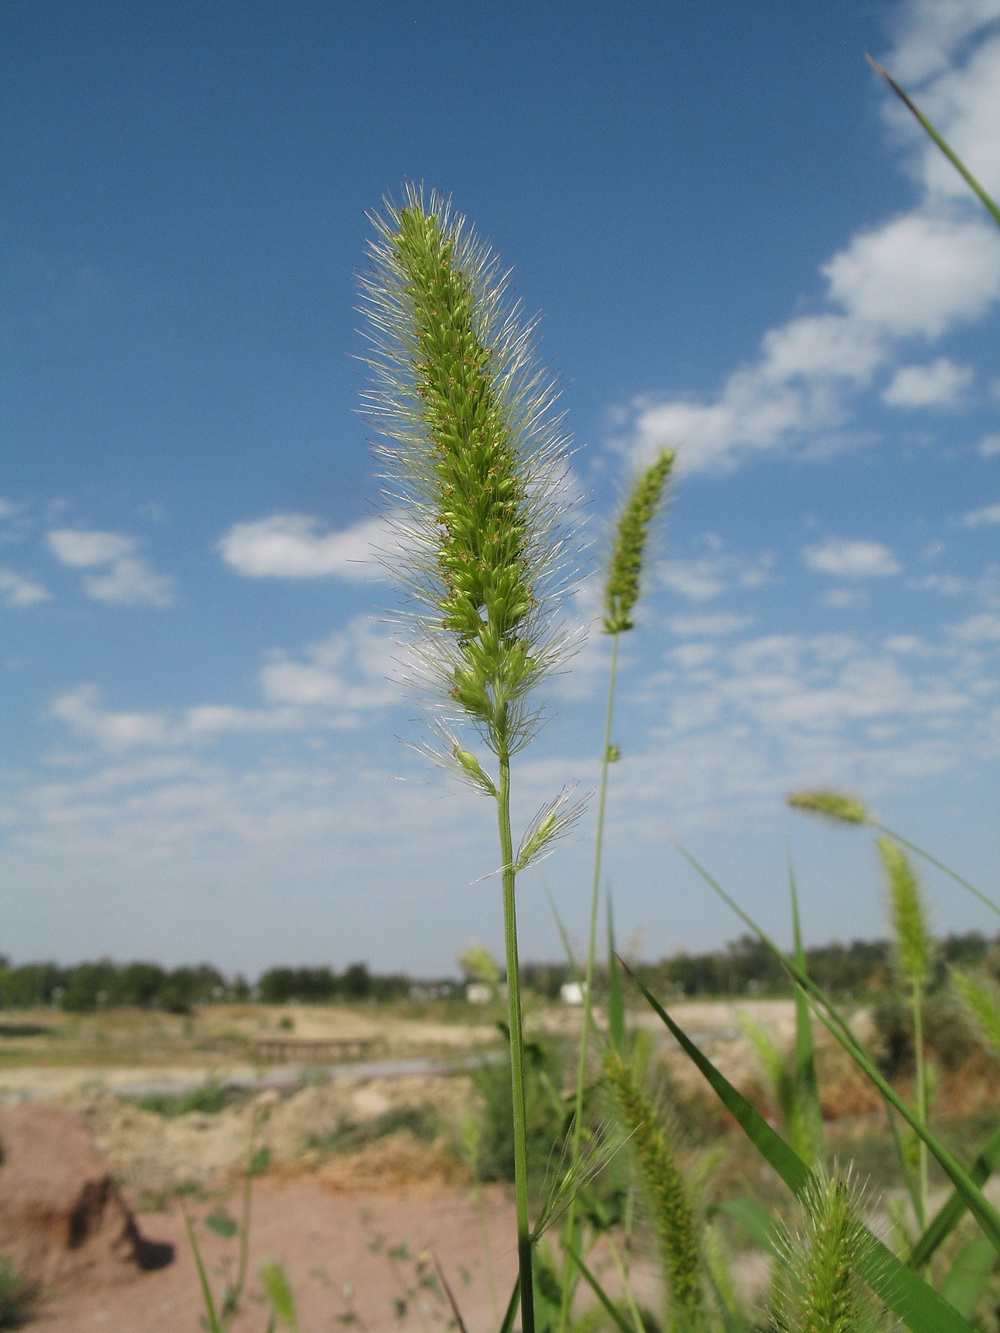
[913, 942]
[831, 805]
[673, 1211]
[625, 570]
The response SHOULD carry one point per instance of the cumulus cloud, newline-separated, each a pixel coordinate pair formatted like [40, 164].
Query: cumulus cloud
[939, 384]
[851, 559]
[126, 577]
[292, 546]
[917, 275]
[977, 517]
[18, 591]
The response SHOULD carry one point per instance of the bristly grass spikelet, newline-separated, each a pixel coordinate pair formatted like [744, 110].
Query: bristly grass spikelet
[833, 805]
[474, 470]
[474, 467]
[625, 568]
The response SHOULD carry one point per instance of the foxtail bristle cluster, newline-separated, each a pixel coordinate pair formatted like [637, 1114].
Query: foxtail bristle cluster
[474, 465]
[625, 569]
[831, 805]
[672, 1209]
[912, 940]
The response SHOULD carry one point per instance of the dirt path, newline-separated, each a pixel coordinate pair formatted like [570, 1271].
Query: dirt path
[351, 1256]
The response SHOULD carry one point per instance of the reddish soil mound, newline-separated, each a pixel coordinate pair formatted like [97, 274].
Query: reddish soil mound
[62, 1218]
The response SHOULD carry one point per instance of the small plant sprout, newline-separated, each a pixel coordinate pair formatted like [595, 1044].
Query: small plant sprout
[474, 469]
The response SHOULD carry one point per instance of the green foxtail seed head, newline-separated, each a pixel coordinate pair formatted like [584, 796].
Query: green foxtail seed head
[625, 569]
[474, 468]
[913, 943]
[824, 1291]
[673, 1211]
[830, 804]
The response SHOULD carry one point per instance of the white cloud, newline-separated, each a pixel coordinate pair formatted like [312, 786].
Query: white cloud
[977, 517]
[81, 709]
[718, 624]
[86, 549]
[989, 446]
[919, 274]
[349, 670]
[131, 581]
[851, 559]
[982, 628]
[128, 578]
[18, 591]
[291, 546]
[939, 384]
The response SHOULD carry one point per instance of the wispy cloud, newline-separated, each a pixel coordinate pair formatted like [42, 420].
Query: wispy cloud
[341, 678]
[18, 591]
[851, 559]
[293, 546]
[977, 517]
[125, 576]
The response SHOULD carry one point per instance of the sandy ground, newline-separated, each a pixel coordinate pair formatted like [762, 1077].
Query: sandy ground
[352, 1257]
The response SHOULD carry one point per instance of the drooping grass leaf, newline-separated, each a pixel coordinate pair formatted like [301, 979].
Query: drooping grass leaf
[206, 1291]
[980, 1207]
[919, 1306]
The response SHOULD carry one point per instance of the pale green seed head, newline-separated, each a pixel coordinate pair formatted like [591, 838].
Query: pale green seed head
[980, 998]
[912, 940]
[474, 465]
[625, 569]
[831, 805]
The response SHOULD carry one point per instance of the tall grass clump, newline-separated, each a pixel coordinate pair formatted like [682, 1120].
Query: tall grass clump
[474, 470]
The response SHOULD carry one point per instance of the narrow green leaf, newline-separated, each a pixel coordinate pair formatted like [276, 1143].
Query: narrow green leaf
[756, 1221]
[948, 151]
[954, 1209]
[600, 1293]
[510, 1314]
[616, 1000]
[919, 1306]
[206, 1291]
[966, 1279]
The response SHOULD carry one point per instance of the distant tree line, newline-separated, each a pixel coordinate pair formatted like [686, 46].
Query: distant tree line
[744, 967]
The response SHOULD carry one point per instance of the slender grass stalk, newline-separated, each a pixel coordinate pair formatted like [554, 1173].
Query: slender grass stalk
[620, 597]
[474, 464]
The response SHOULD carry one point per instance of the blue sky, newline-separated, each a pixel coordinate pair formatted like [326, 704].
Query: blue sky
[739, 245]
